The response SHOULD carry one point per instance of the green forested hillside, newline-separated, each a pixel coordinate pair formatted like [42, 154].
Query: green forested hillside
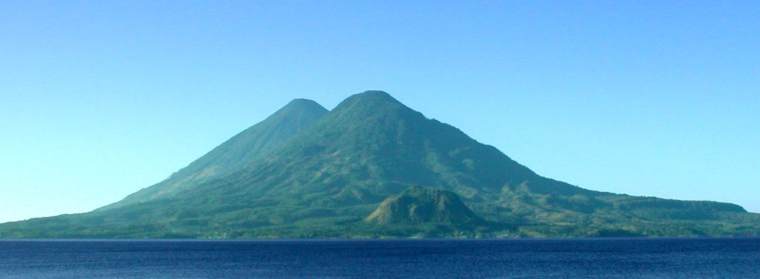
[373, 167]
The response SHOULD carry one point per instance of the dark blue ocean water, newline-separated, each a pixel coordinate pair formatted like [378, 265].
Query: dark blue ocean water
[595, 258]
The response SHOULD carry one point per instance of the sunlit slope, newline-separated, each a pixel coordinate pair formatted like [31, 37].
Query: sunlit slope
[237, 152]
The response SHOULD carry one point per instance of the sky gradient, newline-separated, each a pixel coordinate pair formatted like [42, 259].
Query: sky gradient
[101, 98]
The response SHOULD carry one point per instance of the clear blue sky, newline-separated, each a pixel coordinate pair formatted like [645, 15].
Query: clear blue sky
[101, 98]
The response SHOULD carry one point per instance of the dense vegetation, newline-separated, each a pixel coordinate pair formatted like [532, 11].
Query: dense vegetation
[373, 167]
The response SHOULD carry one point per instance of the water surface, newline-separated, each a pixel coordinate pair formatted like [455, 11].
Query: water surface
[579, 258]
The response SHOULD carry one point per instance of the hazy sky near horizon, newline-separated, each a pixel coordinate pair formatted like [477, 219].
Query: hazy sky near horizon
[660, 98]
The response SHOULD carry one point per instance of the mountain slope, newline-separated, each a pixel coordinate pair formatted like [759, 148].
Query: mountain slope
[237, 152]
[381, 147]
[325, 175]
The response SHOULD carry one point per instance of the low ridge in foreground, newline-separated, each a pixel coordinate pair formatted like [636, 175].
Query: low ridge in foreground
[374, 168]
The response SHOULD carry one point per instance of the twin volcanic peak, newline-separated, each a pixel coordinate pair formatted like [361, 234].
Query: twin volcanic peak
[373, 167]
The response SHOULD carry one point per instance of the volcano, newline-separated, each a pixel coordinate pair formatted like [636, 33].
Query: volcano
[373, 167]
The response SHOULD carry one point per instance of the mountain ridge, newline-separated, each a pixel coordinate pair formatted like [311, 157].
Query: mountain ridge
[306, 172]
[238, 151]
